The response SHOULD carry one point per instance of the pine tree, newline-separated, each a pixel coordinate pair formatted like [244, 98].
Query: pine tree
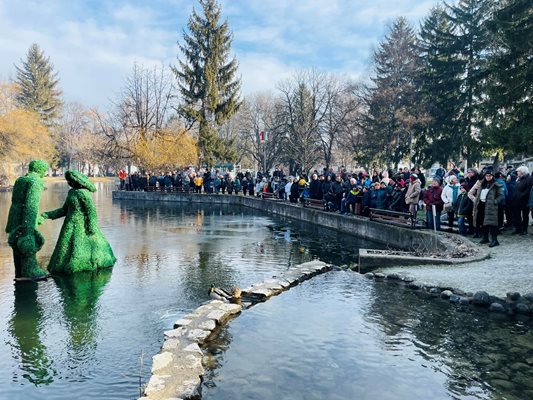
[39, 86]
[469, 18]
[395, 110]
[440, 83]
[510, 88]
[207, 81]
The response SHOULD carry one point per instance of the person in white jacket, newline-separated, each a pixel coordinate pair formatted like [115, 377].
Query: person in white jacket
[449, 197]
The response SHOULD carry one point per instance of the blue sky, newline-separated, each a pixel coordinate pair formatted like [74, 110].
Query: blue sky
[93, 44]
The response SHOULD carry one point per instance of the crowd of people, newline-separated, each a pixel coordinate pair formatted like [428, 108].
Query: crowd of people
[482, 203]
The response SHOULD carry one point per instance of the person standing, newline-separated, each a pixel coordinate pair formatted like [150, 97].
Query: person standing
[122, 175]
[433, 198]
[488, 197]
[449, 198]
[463, 207]
[413, 194]
[519, 201]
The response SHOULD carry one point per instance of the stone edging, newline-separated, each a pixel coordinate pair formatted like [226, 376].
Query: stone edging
[513, 305]
[178, 369]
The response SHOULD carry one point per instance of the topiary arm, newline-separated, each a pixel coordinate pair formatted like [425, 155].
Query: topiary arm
[55, 214]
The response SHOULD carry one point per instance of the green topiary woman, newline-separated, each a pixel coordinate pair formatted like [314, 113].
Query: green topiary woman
[24, 238]
[81, 245]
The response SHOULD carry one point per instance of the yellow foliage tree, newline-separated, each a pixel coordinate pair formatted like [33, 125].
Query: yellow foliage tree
[166, 150]
[22, 138]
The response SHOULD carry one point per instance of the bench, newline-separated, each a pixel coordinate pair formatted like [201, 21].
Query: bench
[269, 196]
[393, 217]
[181, 189]
[315, 203]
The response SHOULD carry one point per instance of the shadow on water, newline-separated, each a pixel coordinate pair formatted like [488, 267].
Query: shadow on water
[25, 328]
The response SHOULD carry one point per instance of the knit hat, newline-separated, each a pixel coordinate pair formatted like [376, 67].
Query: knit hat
[464, 186]
[413, 177]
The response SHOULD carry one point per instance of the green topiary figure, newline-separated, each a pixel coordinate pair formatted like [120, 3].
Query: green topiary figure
[81, 245]
[24, 238]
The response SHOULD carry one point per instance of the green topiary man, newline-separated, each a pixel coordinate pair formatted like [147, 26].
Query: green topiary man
[81, 246]
[24, 238]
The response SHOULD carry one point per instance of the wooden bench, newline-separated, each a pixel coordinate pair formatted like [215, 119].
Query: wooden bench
[393, 217]
[269, 196]
[315, 203]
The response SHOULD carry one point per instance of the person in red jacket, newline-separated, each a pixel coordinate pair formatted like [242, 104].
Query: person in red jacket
[122, 175]
[432, 197]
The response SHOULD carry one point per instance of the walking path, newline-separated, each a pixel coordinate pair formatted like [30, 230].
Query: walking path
[509, 268]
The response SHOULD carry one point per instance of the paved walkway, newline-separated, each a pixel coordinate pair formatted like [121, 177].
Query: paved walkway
[509, 268]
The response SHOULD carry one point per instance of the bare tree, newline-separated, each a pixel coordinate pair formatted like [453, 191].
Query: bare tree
[141, 112]
[261, 136]
[306, 101]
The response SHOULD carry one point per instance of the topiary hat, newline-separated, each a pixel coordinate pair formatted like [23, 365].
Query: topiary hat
[80, 180]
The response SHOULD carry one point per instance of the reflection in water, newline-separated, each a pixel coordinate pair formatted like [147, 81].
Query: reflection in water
[25, 328]
[79, 293]
[340, 336]
[483, 352]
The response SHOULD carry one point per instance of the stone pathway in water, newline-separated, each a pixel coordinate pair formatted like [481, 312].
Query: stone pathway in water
[509, 268]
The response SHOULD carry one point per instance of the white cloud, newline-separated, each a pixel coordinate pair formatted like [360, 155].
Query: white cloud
[94, 44]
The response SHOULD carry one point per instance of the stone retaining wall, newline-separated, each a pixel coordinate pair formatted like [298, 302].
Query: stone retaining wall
[178, 369]
[393, 235]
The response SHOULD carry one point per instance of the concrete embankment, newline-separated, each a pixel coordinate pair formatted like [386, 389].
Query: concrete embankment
[419, 243]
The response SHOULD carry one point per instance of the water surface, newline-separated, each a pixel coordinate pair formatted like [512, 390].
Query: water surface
[85, 336]
[341, 336]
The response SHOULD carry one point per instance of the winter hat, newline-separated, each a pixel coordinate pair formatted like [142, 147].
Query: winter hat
[413, 177]
[464, 186]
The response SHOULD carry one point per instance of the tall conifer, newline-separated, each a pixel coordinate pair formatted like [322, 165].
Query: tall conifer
[510, 86]
[395, 110]
[469, 21]
[39, 85]
[207, 80]
[440, 83]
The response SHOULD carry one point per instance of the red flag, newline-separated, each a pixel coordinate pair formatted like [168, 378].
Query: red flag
[262, 136]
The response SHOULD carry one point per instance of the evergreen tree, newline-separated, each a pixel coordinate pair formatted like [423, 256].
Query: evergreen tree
[207, 81]
[39, 86]
[469, 18]
[510, 89]
[395, 109]
[440, 83]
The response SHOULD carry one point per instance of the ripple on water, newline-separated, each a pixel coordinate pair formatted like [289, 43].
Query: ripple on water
[341, 336]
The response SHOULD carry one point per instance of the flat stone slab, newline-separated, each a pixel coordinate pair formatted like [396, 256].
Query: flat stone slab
[178, 369]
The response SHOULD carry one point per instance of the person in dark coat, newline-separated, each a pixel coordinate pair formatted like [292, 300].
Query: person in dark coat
[315, 188]
[374, 195]
[327, 186]
[432, 197]
[472, 176]
[398, 199]
[381, 199]
[511, 184]
[462, 208]
[488, 197]
[294, 192]
[337, 191]
[520, 199]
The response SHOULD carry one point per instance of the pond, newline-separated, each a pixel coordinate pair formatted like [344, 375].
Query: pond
[95, 335]
[340, 336]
